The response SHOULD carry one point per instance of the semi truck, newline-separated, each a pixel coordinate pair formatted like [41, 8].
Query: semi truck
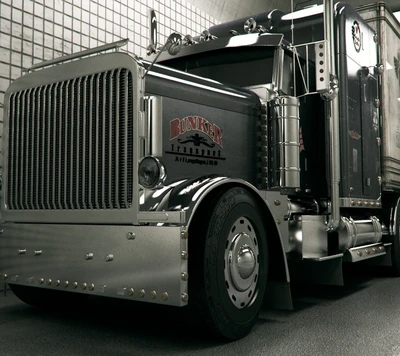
[214, 173]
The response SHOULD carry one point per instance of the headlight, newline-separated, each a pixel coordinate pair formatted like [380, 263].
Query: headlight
[151, 172]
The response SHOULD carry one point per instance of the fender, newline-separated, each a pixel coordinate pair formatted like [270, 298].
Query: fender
[189, 194]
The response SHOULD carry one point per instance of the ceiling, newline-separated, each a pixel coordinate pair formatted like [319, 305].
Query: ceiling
[393, 4]
[227, 10]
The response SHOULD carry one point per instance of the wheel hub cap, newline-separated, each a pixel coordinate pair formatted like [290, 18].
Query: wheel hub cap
[246, 262]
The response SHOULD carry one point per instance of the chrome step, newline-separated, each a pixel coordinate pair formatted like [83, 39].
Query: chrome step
[361, 253]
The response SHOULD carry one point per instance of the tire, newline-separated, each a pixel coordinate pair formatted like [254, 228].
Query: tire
[228, 272]
[395, 217]
[47, 298]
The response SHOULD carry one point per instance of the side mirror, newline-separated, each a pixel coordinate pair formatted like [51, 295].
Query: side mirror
[152, 47]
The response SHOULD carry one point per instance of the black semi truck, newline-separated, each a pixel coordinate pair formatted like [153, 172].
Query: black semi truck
[212, 174]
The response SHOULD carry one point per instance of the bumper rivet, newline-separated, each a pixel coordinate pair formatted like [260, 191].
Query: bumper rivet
[142, 293]
[40, 280]
[75, 285]
[185, 234]
[185, 297]
[57, 282]
[4, 276]
[130, 235]
[84, 286]
[66, 284]
[185, 255]
[185, 276]
[131, 292]
[109, 257]
[48, 282]
[91, 287]
[164, 296]
[153, 294]
[89, 256]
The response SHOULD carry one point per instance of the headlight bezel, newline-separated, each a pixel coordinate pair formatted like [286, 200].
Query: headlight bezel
[151, 173]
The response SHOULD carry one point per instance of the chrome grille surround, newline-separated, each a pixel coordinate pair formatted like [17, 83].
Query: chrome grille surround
[70, 143]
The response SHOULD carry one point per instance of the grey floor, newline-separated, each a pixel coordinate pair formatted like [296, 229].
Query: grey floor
[361, 318]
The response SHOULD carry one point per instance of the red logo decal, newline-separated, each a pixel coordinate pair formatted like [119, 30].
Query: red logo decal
[178, 127]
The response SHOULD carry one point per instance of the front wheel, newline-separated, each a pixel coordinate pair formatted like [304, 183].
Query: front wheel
[230, 263]
[395, 221]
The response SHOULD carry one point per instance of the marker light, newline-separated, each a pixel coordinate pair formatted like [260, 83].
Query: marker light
[151, 172]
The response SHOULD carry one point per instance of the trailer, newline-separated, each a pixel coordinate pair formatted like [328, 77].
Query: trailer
[209, 176]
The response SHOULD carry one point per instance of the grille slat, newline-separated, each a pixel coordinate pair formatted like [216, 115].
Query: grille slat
[124, 114]
[103, 192]
[110, 167]
[22, 172]
[68, 144]
[117, 135]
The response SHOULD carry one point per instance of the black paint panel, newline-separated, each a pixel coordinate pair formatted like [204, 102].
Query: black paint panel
[208, 128]
[192, 149]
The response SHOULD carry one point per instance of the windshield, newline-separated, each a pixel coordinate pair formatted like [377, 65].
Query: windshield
[240, 66]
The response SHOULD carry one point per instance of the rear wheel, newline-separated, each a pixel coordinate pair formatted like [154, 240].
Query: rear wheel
[229, 267]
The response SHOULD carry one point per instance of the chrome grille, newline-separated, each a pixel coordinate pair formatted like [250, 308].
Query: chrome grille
[71, 144]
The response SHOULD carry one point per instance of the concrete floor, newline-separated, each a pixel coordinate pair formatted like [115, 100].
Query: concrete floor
[362, 318]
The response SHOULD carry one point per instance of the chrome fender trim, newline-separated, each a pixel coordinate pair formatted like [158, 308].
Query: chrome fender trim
[187, 196]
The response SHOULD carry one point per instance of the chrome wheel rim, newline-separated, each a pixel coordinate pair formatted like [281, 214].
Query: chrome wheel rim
[241, 263]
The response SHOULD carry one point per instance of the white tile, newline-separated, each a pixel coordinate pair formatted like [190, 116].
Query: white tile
[16, 58]
[5, 26]
[5, 41]
[17, 4]
[38, 9]
[16, 15]
[28, 6]
[16, 44]
[15, 72]
[28, 19]
[5, 55]
[16, 30]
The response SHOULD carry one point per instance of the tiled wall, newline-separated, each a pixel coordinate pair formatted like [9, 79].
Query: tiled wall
[35, 30]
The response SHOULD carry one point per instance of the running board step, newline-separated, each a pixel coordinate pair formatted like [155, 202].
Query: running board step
[361, 253]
